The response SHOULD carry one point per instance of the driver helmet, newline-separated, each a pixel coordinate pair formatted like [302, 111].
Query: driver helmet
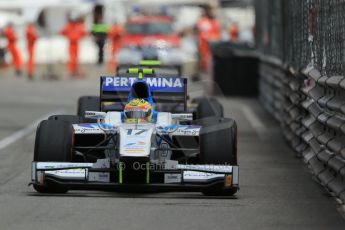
[138, 110]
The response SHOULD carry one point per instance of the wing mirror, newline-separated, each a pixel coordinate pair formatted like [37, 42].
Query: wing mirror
[182, 116]
[95, 115]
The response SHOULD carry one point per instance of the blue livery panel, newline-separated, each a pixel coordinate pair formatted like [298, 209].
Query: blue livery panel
[156, 84]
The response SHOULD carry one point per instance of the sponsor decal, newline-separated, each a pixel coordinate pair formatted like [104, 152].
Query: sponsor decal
[156, 84]
[200, 176]
[172, 178]
[135, 150]
[134, 147]
[90, 114]
[188, 130]
[167, 129]
[93, 128]
[68, 173]
[133, 144]
[99, 176]
[185, 130]
[136, 132]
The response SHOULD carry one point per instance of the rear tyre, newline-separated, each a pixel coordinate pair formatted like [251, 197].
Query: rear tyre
[208, 107]
[218, 146]
[87, 103]
[53, 143]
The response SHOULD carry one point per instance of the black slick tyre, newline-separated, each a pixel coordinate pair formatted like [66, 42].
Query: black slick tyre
[218, 146]
[53, 144]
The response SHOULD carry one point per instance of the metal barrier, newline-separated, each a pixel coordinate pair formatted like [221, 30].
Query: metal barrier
[311, 110]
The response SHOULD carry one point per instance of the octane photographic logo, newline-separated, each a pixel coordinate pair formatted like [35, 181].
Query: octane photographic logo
[140, 166]
[121, 166]
[137, 165]
[143, 166]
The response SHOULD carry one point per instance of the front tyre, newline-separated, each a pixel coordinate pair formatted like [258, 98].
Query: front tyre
[218, 141]
[218, 146]
[53, 144]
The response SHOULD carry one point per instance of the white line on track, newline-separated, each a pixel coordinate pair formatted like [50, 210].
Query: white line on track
[255, 122]
[253, 119]
[4, 143]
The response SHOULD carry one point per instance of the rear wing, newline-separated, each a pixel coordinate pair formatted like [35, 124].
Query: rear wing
[159, 70]
[163, 89]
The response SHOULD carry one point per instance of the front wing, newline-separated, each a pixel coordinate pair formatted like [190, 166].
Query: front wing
[93, 176]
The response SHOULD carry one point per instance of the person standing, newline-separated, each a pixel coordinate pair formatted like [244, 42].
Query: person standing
[99, 31]
[31, 37]
[207, 29]
[74, 31]
[11, 37]
[233, 32]
[115, 35]
[3, 63]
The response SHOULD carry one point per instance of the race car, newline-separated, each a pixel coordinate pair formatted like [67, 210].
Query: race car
[139, 148]
[151, 37]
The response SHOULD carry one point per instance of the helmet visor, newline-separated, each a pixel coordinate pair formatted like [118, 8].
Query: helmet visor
[137, 114]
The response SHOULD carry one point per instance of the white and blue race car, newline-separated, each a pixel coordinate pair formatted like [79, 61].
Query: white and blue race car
[168, 152]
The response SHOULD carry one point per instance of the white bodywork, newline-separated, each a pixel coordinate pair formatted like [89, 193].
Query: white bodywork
[136, 139]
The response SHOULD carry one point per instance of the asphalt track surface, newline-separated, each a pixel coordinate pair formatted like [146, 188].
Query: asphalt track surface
[277, 191]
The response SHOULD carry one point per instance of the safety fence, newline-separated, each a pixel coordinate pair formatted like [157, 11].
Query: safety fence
[311, 110]
[299, 32]
[302, 54]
